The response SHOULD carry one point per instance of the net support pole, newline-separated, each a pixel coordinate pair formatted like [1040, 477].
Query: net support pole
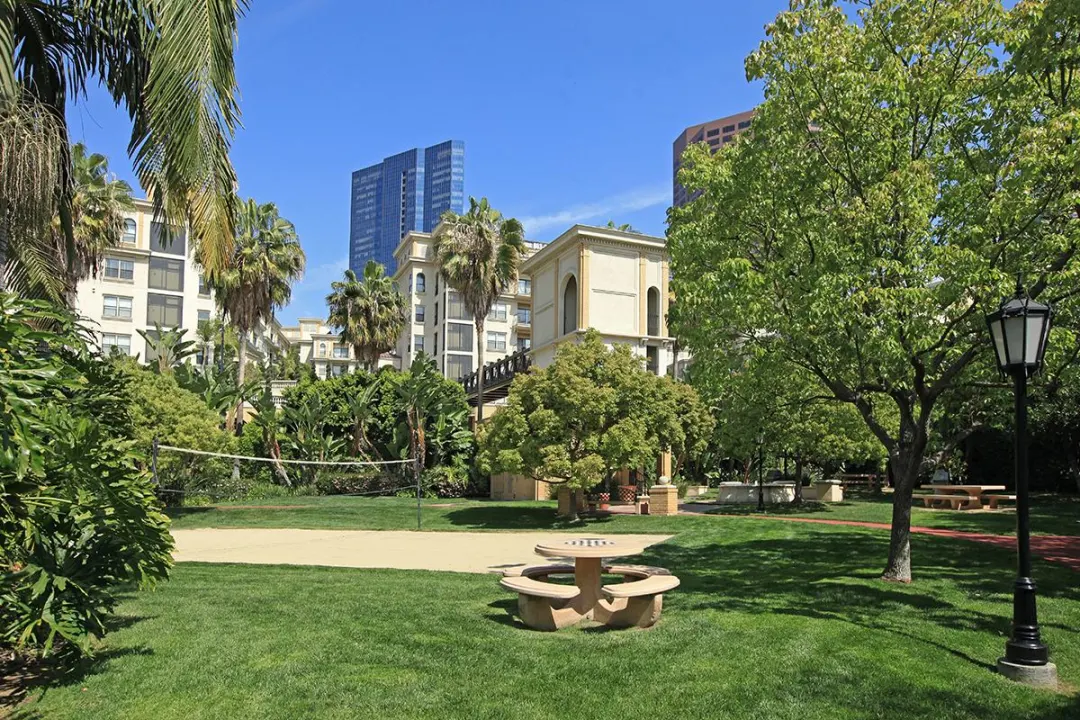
[416, 471]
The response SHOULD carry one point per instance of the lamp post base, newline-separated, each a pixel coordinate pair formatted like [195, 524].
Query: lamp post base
[1042, 676]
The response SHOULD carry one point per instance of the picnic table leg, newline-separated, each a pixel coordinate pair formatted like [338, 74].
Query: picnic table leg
[587, 576]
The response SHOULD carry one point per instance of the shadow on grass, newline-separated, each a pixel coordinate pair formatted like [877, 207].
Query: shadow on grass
[504, 517]
[772, 509]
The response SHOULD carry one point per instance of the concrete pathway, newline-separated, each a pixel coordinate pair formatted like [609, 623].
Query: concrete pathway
[472, 552]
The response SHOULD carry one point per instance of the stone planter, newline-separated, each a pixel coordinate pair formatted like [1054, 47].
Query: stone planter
[694, 491]
[627, 493]
[603, 501]
[737, 493]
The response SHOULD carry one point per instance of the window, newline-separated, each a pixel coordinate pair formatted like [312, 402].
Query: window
[322, 349]
[435, 350]
[419, 313]
[128, 236]
[113, 344]
[204, 317]
[713, 133]
[744, 124]
[421, 283]
[496, 341]
[459, 337]
[204, 287]
[569, 306]
[524, 315]
[524, 286]
[729, 128]
[341, 352]
[653, 312]
[166, 274]
[498, 312]
[436, 313]
[117, 307]
[164, 310]
[117, 269]
[171, 240]
[418, 343]
[458, 366]
[455, 308]
[436, 284]
[338, 370]
[652, 359]
[728, 138]
[524, 344]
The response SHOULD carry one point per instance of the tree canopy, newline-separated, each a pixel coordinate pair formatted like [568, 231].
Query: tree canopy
[900, 172]
[369, 312]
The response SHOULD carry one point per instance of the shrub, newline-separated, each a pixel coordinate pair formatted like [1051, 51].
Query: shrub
[78, 516]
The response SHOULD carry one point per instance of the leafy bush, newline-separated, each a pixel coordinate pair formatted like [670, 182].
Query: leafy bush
[161, 408]
[446, 481]
[78, 516]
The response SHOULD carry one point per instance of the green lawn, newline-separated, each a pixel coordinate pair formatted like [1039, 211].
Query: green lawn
[1058, 515]
[773, 620]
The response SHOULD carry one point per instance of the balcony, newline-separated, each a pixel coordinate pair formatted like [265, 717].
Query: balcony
[497, 377]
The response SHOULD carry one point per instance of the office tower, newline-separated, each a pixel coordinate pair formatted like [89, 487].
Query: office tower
[715, 133]
[405, 192]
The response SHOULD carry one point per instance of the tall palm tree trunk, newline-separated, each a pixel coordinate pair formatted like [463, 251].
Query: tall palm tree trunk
[479, 371]
[241, 357]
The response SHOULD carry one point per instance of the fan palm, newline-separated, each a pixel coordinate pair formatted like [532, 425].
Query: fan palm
[478, 254]
[168, 64]
[42, 270]
[369, 312]
[266, 261]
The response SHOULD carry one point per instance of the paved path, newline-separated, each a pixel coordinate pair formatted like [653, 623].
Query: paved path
[1064, 549]
[473, 552]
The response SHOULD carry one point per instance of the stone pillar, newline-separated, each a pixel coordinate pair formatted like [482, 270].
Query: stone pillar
[664, 500]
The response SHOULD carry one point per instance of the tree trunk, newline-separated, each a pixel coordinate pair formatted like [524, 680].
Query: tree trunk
[242, 358]
[798, 478]
[3, 254]
[1074, 464]
[279, 467]
[906, 459]
[479, 371]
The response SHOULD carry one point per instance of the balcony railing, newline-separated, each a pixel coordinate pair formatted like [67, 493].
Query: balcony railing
[498, 374]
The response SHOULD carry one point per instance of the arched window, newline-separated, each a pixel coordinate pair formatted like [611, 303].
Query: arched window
[322, 349]
[421, 283]
[569, 306]
[129, 232]
[653, 315]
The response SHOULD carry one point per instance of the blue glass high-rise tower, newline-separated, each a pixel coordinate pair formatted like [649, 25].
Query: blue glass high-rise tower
[407, 191]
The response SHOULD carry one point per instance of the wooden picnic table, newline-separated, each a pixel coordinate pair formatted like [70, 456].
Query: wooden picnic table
[589, 555]
[973, 492]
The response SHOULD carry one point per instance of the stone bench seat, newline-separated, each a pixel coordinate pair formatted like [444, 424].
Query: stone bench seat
[955, 501]
[635, 571]
[652, 585]
[994, 500]
[544, 605]
[539, 572]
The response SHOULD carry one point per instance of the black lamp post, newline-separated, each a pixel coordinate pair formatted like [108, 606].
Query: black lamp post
[1019, 330]
[760, 472]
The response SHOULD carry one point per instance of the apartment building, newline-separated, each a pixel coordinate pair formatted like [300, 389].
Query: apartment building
[150, 277]
[322, 348]
[440, 326]
[714, 133]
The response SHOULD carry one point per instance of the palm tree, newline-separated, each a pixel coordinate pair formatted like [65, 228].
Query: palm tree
[169, 347]
[370, 313]
[169, 65]
[207, 333]
[266, 260]
[478, 254]
[44, 270]
[625, 227]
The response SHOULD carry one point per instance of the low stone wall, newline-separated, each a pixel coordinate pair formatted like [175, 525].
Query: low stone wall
[737, 493]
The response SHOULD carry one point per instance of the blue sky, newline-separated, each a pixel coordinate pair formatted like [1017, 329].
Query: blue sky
[567, 109]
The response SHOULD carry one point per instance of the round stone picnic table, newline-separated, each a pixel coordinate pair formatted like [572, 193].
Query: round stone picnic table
[588, 555]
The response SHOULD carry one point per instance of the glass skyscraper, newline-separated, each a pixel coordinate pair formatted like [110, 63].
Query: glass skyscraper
[407, 191]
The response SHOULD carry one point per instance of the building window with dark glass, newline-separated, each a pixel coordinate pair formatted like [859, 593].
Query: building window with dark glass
[117, 307]
[128, 236]
[498, 312]
[459, 338]
[524, 286]
[569, 318]
[117, 269]
[653, 314]
[728, 138]
[419, 316]
[524, 315]
[421, 283]
[166, 274]
[170, 240]
[524, 344]
[744, 124]
[418, 343]
[458, 366]
[455, 308]
[113, 344]
[729, 128]
[204, 287]
[164, 310]
[496, 341]
[713, 133]
[652, 359]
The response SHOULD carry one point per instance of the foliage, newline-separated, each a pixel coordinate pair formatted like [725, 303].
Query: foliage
[307, 436]
[96, 214]
[590, 413]
[78, 517]
[478, 255]
[369, 312]
[168, 346]
[168, 65]
[161, 409]
[901, 170]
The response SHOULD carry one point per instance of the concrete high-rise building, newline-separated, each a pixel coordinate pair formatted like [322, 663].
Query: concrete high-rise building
[405, 192]
[715, 133]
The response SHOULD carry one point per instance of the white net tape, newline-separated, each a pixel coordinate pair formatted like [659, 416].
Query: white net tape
[208, 453]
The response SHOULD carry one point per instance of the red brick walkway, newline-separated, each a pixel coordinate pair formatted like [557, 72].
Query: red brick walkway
[1062, 549]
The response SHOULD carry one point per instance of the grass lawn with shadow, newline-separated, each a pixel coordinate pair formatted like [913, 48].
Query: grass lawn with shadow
[772, 620]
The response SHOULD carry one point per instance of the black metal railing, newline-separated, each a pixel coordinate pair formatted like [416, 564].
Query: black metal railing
[498, 373]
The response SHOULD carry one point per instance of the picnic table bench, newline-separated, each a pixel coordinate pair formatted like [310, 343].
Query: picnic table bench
[961, 497]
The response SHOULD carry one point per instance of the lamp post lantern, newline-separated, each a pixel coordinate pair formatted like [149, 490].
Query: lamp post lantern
[1019, 330]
